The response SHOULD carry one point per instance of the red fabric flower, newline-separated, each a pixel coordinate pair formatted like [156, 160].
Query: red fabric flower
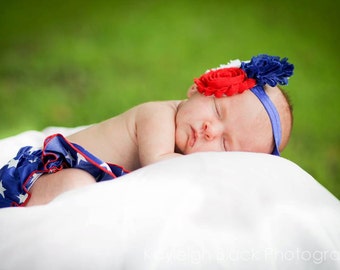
[224, 81]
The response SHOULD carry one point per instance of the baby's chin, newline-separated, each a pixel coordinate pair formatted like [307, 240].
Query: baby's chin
[179, 151]
[185, 152]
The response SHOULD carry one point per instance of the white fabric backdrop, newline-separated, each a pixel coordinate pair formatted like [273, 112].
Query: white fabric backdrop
[201, 211]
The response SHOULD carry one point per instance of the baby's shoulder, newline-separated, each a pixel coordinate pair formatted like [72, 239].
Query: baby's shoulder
[156, 109]
[167, 104]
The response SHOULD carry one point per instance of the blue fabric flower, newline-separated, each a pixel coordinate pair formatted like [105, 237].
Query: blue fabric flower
[266, 69]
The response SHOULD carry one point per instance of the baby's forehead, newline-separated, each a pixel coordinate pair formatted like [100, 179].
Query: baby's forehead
[245, 108]
[244, 100]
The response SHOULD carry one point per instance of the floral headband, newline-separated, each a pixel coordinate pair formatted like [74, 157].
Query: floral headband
[237, 77]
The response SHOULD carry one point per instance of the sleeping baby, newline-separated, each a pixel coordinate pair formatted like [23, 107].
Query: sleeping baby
[235, 107]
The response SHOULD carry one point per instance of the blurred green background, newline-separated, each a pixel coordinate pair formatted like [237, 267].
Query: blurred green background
[71, 63]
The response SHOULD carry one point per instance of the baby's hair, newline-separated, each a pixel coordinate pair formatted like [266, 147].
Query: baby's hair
[290, 105]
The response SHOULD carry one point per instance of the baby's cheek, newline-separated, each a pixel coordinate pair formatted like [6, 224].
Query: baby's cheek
[207, 147]
[179, 143]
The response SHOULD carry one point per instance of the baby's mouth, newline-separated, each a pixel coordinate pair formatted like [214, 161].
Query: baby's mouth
[193, 137]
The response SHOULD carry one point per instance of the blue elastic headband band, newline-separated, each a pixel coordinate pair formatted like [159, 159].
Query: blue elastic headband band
[273, 116]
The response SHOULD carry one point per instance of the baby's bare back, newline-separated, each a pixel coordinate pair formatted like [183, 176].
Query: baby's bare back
[113, 140]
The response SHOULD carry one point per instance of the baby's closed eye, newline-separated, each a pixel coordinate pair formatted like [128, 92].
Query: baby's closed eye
[217, 109]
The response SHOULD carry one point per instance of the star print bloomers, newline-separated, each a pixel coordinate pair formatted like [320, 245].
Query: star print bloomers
[20, 173]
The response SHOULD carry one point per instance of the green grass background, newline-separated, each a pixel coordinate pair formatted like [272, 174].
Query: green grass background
[70, 63]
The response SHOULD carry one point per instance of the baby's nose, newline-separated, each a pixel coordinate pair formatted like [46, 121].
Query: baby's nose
[211, 131]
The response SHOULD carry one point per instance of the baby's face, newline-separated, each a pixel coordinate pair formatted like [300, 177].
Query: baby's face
[236, 123]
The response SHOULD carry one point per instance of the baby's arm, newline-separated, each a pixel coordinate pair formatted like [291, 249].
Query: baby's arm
[155, 131]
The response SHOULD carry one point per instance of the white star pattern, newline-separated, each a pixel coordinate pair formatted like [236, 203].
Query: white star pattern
[106, 166]
[68, 156]
[33, 160]
[22, 197]
[2, 190]
[13, 163]
[80, 158]
[33, 149]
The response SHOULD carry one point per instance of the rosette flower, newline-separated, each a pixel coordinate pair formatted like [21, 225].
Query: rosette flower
[266, 69]
[224, 81]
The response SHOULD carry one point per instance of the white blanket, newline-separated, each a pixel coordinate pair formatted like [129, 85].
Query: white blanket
[201, 211]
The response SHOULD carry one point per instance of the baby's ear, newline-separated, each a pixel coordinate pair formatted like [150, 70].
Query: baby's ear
[192, 90]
